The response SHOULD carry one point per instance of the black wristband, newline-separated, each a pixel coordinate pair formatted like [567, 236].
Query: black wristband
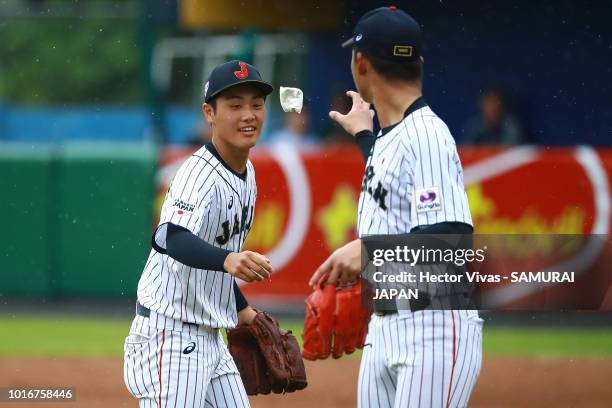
[364, 133]
[241, 302]
[365, 140]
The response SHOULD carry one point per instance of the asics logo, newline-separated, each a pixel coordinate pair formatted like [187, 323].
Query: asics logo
[189, 348]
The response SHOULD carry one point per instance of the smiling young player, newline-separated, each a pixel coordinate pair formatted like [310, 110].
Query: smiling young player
[175, 355]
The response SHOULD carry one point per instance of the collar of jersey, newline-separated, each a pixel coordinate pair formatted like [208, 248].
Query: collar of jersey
[416, 105]
[211, 148]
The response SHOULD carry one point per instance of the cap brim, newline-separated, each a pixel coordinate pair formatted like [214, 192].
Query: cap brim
[265, 87]
[348, 42]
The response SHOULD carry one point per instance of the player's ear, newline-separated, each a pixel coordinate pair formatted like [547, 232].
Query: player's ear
[361, 63]
[209, 113]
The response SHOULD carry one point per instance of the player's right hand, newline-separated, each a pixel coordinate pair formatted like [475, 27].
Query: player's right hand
[359, 118]
[248, 266]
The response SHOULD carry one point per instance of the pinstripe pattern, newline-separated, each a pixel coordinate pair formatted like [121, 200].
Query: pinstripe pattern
[218, 206]
[416, 371]
[159, 373]
[177, 356]
[428, 358]
[418, 153]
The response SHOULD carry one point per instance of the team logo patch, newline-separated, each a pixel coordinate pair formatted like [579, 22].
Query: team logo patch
[402, 51]
[243, 73]
[428, 199]
[183, 207]
[206, 89]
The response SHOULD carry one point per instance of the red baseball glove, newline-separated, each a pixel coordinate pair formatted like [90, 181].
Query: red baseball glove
[336, 321]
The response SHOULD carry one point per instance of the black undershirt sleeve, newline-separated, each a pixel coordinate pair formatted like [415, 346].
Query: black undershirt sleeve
[241, 301]
[365, 140]
[422, 236]
[181, 244]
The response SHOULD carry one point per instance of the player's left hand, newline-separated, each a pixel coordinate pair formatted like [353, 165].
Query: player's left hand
[344, 265]
[246, 315]
[359, 118]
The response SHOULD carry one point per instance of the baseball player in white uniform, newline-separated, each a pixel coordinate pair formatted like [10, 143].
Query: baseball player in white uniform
[412, 188]
[175, 355]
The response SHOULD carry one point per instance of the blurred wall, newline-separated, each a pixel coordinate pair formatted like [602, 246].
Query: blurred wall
[553, 57]
[76, 218]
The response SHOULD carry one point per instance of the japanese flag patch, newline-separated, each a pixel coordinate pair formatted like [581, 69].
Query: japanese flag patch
[183, 207]
[428, 199]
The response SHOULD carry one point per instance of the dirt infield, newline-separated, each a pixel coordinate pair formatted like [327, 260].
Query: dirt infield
[503, 382]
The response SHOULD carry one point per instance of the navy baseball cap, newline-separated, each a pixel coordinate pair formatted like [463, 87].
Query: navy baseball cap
[387, 33]
[231, 74]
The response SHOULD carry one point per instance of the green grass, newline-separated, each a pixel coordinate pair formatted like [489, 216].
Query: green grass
[65, 336]
[548, 342]
[62, 336]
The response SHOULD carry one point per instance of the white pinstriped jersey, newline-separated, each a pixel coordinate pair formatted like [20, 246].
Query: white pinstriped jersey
[216, 204]
[413, 177]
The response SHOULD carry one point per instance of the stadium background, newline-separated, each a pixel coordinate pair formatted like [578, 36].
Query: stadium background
[99, 101]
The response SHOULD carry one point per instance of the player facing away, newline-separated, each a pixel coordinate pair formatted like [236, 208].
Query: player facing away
[175, 355]
[416, 357]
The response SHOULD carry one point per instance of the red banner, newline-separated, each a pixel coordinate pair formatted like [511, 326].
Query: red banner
[307, 201]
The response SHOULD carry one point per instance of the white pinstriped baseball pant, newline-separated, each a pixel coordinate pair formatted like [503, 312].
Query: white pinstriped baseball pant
[429, 358]
[186, 367]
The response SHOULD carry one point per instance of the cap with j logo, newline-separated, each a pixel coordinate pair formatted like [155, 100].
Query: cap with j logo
[231, 74]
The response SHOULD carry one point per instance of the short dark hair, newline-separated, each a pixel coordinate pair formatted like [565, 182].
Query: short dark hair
[403, 71]
[213, 103]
